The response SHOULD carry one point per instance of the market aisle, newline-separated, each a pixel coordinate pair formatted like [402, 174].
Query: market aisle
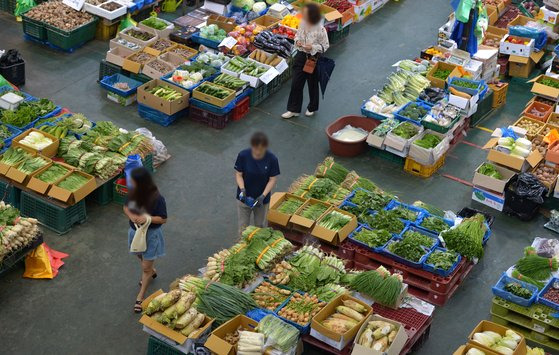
[87, 309]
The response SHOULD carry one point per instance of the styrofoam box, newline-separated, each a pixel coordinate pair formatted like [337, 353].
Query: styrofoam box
[10, 101]
[109, 15]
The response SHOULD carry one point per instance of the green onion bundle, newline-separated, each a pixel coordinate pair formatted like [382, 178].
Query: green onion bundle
[32, 164]
[290, 205]
[517, 275]
[73, 182]
[14, 156]
[467, 237]
[52, 174]
[354, 181]
[331, 170]
[379, 285]
[334, 220]
[535, 266]
[223, 302]
[314, 211]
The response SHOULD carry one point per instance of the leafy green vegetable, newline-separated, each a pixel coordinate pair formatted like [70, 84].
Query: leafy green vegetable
[428, 141]
[408, 249]
[290, 205]
[406, 130]
[375, 238]
[334, 220]
[418, 238]
[52, 174]
[465, 84]
[154, 22]
[388, 221]
[467, 237]
[434, 224]
[27, 112]
[404, 213]
[14, 156]
[442, 259]
[441, 74]
[549, 82]
[370, 200]
[73, 182]
[489, 169]
[516, 289]
[31, 165]
[414, 111]
[314, 211]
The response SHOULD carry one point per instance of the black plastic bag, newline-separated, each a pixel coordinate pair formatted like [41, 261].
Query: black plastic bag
[11, 57]
[528, 186]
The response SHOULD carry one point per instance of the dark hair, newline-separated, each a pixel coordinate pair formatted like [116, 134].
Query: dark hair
[259, 139]
[313, 13]
[144, 193]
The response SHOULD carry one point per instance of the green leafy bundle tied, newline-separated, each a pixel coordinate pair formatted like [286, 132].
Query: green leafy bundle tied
[535, 266]
[467, 237]
[379, 285]
[517, 275]
[314, 211]
[516, 289]
[354, 181]
[334, 220]
[52, 174]
[73, 182]
[331, 170]
[224, 302]
[290, 205]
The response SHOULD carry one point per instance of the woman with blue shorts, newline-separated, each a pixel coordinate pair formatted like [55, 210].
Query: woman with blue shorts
[144, 199]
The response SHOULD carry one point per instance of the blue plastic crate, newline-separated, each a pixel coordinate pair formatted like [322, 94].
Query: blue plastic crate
[398, 115]
[26, 96]
[371, 114]
[418, 264]
[487, 234]
[55, 112]
[499, 291]
[258, 313]
[108, 82]
[167, 78]
[478, 83]
[196, 38]
[420, 212]
[159, 117]
[212, 108]
[441, 272]
[426, 214]
[15, 132]
[302, 329]
[412, 227]
[138, 4]
[378, 249]
[544, 290]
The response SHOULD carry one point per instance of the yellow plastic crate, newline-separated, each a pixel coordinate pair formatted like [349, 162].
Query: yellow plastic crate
[106, 29]
[499, 95]
[424, 171]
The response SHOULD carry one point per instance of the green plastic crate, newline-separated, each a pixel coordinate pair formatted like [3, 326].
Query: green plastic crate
[103, 195]
[157, 347]
[484, 109]
[389, 156]
[10, 194]
[108, 69]
[33, 28]
[275, 85]
[336, 36]
[4, 5]
[54, 217]
[69, 40]
[258, 95]
[541, 315]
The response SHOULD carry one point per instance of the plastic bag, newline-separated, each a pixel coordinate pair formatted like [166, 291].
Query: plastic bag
[529, 187]
[548, 248]
[537, 33]
[508, 132]
[350, 134]
[278, 333]
[10, 57]
[551, 137]
[126, 22]
[160, 153]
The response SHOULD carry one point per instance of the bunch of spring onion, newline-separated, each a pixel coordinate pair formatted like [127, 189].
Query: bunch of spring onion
[337, 196]
[223, 302]
[32, 164]
[354, 181]
[331, 170]
[467, 237]
[334, 220]
[312, 186]
[379, 285]
[73, 182]
[14, 156]
[313, 211]
[534, 266]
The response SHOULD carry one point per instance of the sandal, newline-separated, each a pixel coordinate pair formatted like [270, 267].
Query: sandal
[138, 307]
[154, 276]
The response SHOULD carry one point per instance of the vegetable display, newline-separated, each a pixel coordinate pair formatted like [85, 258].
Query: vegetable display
[535, 266]
[406, 130]
[27, 112]
[467, 237]
[284, 335]
[443, 260]
[378, 335]
[404, 213]
[388, 221]
[334, 220]
[214, 90]
[57, 14]
[428, 141]
[301, 308]
[236, 64]
[36, 140]
[216, 60]
[414, 111]
[313, 211]
[549, 82]
[379, 285]
[373, 239]
[52, 174]
[489, 169]
[546, 174]
[290, 205]
[31, 165]
[441, 73]
[250, 343]
[213, 33]
[403, 87]
[155, 23]
[265, 58]
[498, 343]
[273, 43]
[345, 317]
[354, 181]
[14, 156]
[516, 289]
[165, 92]
[434, 224]
[331, 170]
[408, 249]
[254, 69]
[223, 302]
[230, 82]
[139, 34]
[269, 296]
[17, 232]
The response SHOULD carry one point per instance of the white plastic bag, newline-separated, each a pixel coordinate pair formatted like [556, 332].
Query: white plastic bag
[350, 134]
[160, 153]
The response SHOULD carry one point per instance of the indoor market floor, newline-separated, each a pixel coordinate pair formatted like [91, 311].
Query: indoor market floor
[87, 309]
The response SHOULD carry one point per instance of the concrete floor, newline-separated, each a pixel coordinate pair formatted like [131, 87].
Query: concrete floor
[87, 309]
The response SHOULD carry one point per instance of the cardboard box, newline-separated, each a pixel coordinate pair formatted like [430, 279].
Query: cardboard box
[335, 237]
[116, 55]
[528, 120]
[266, 21]
[463, 350]
[550, 185]
[523, 49]
[42, 187]
[375, 141]
[522, 67]
[225, 23]
[474, 68]
[398, 143]
[488, 198]
[21, 177]
[50, 151]
[278, 217]
[121, 100]
[301, 223]
[548, 15]
[544, 90]
[330, 14]
[468, 106]
[429, 156]
[487, 55]
[362, 10]
[172, 59]
[156, 52]
[501, 32]
[335, 340]
[491, 183]
[5, 167]
[492, 14]
[551, 156]
[157, 103]
[428, 56]
[164, 33]
[73, 197]
[520, 20]
[197, 94]
[114, 43]
[166, 331]
[184, 52]
[395, 348]
[216, 341]
[131, 64]
[124, 34]
[497, 328]
[155, 73]
[442, 66]
[515, 163]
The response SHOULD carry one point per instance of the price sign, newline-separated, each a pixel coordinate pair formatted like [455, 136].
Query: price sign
[228, 42]
[282, 66]
[269, 75]
[74, 4]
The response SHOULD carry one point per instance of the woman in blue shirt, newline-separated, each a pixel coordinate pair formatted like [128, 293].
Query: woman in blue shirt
[144, 198]
[256, 172]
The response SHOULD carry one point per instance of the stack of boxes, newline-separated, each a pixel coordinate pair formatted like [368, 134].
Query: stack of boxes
[488, 57]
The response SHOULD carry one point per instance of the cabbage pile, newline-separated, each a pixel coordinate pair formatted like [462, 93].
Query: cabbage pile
[213, 33]
[210, 58]
[186, 79]
[520, 147]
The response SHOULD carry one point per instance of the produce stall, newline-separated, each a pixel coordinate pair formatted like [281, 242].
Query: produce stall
[53, 159]
[339, 269]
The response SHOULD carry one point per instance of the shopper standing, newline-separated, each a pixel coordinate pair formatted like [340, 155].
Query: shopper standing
[145, 204]
[311, 40]
[256, 172]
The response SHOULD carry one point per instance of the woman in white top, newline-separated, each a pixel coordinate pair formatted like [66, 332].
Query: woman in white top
[311, 40]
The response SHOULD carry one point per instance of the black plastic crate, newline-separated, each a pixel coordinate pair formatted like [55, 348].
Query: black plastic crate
[103, 195]
[336, 36]
[108, 69]
[157, 347]
[470, 212]
[10, 194]
[258, 95]
[59, 219]
[14, 73]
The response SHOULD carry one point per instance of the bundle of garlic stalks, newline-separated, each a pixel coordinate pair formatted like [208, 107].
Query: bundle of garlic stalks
[259, 249]
[17, 232]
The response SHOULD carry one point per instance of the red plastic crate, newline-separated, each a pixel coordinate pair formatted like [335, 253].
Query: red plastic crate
[412, 276]
[241, 109]
[209, 118]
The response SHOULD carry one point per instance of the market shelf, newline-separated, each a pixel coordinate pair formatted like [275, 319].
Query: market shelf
[11, 260]
[537, 317]
[532, 336]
